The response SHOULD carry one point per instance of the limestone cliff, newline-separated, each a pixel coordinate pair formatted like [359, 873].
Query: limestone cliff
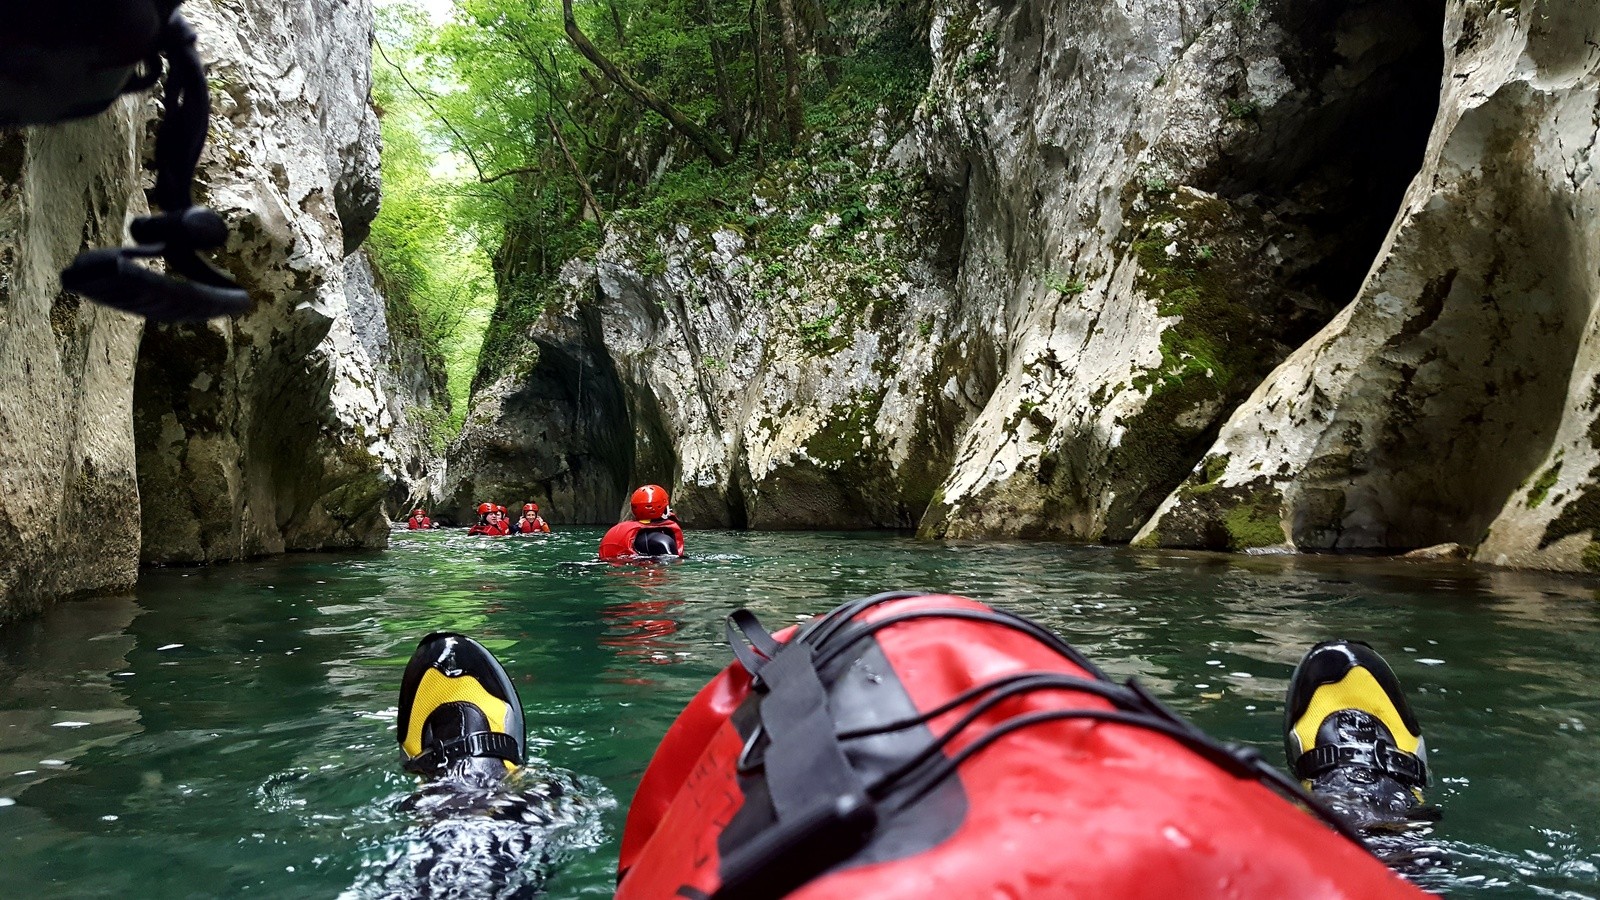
[69, 498]
[1098, 230]
[1458, 398]
[216, 441]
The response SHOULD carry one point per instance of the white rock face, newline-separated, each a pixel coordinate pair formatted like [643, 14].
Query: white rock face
[1136, 211]
[782, 388]
[69, 500]
[1456, 399]
[1163, 200]
[198, 443]
[272, 432]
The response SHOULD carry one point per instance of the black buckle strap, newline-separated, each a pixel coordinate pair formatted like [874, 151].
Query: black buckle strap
[181, 231]
[1406, 768]
[756, 649]
[824, 814]
[493, 744]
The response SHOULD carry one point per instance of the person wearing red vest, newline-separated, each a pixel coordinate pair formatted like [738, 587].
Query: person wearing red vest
[419, 521]
[531, 522]
[653, 530]
[491, 521]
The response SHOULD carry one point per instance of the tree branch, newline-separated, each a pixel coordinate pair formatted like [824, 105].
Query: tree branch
[700, 137]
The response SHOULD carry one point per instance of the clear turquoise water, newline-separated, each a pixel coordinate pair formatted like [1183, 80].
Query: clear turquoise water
[228, 731]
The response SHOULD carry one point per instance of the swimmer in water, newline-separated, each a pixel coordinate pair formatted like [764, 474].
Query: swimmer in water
[653, 531]
[488, 826]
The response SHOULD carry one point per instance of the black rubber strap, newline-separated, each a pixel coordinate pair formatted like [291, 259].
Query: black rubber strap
[1406, 768]
[757, 646]
[492, 744]
[823, 812]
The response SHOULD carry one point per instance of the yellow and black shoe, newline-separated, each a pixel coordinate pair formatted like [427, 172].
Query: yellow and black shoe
[459, 713]
[1351, 736]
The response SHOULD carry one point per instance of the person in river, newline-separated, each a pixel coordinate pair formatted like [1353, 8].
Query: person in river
[491, 521]
[419, 521]
[487, 823]
[531, 522]
[653, 531]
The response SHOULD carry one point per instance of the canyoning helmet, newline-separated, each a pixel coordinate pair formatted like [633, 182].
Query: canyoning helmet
[485, 508]
[649, 502]
[73, 58]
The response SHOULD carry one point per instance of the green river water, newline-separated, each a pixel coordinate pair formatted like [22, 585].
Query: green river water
[228, 731]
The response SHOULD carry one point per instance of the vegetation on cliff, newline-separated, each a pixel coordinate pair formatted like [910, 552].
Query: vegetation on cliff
[572, 119]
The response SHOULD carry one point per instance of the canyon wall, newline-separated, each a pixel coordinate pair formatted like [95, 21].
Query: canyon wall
[122, 444]
[1229, 275]
[1457, 399]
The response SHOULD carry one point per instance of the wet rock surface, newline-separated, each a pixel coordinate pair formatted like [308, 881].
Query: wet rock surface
[1454, 400]
[121, 444]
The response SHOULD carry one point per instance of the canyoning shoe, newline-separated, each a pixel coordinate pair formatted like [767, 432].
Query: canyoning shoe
[1351, 737]
[459, 713]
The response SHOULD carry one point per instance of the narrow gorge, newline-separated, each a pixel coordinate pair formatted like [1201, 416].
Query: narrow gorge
[1313, 275]
[1227, 275]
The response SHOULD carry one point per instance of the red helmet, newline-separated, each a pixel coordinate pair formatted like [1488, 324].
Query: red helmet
[485, 508]
[416, 512]
[532, 506]
[650, 502]
[500, 509]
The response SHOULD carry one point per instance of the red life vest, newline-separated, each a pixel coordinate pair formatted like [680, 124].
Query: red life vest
[914, 747]
[416, 522]
[618, 542]
[537, 526]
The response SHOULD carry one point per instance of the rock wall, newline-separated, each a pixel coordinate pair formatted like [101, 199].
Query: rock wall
[1164, 200]
[217, 441]
[1120, 218]
[1225, 275]
[69, 499]
[1458, 398]
[773, 385]
[271, 432]
[411, 383]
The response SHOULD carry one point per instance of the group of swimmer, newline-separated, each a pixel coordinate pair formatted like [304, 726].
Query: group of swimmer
[653, 530]
[496, 520]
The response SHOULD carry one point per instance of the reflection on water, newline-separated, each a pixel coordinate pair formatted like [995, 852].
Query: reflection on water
[228, 731]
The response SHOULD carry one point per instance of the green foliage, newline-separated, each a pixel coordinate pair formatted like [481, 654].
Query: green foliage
[1541, 487]
[979, 59]
[523, 132]
[816, 336]
[426, 252]
[1061, 284]
[1243, 109]
[1252, 525]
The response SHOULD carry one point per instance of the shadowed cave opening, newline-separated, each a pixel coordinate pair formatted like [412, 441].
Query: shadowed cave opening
[1336, 159]
[1312, 181]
